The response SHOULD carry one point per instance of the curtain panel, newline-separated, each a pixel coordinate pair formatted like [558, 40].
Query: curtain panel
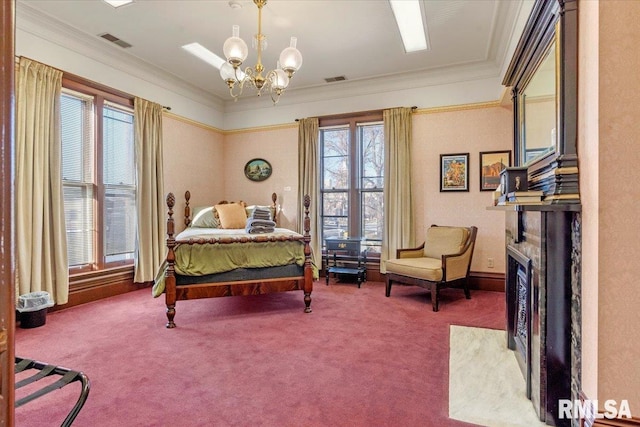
[41, 241]
[398, 231]
[151, 228]
[308, 179]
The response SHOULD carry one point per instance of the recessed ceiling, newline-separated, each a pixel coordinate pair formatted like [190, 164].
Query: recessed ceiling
[352, 38]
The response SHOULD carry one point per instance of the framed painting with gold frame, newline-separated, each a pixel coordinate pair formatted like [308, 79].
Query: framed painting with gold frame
[491, 164]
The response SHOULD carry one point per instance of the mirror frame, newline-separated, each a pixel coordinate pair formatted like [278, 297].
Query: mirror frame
[549, 21]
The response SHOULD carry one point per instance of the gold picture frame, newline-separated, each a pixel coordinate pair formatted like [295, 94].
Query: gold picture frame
[491, 164]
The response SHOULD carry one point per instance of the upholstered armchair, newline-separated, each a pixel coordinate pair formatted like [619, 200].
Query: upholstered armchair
[443, 260]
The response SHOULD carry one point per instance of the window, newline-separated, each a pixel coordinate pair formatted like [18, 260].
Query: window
[352, 184]
[98, 178]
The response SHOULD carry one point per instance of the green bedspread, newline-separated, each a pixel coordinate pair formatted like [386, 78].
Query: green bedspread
[212, 258]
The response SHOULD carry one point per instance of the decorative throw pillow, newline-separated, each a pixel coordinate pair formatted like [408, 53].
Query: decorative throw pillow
[204, 217]
[232, 215]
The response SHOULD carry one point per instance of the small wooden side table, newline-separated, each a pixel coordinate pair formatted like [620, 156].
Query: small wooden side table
[344, 256]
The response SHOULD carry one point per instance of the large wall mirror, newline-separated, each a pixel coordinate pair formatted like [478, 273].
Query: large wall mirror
[538, 102]
[543, 78]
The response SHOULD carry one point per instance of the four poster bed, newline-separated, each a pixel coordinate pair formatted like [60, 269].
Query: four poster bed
[211, 259]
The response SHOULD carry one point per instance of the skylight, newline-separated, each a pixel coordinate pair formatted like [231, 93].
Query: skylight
[118, 3]
[409, 19]
[205, 54]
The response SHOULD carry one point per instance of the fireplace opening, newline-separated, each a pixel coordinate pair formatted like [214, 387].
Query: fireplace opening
[519, 308]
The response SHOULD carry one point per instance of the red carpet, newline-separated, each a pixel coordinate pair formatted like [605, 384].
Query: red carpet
[360, 359]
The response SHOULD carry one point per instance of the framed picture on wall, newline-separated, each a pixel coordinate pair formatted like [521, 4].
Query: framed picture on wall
[491, 164]
[454, 172]
[257, 169]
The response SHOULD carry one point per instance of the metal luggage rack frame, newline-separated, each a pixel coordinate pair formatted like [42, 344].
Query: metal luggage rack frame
[67, 376]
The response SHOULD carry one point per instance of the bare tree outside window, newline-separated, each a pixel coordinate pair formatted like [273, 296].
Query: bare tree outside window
[372, 183]
[352, 157]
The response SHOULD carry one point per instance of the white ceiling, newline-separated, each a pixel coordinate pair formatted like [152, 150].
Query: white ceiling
[357, 39]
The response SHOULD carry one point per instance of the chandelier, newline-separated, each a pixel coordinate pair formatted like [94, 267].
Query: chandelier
[274, 81]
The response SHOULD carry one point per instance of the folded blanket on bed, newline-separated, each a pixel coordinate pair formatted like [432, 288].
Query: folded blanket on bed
[261, 213]
[255, 225]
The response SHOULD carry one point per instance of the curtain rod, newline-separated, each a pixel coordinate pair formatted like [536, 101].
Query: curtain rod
[413, 108]
[88, 82]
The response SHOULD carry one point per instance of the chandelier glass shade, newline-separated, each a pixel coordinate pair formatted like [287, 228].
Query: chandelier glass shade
[274, 81]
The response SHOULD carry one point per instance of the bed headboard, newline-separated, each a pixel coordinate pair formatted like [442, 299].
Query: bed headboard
[188, 209]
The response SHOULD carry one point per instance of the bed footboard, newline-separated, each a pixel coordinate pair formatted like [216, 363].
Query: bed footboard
[244, 287]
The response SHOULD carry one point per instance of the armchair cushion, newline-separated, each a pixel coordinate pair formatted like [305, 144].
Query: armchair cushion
[444, 240]
[421, 268]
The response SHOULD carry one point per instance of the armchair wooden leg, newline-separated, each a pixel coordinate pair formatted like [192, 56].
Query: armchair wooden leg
[434, 296]
[467, 293]
[388, 288]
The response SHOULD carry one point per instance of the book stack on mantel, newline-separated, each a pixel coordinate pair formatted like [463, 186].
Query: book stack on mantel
[531, 197]
[560, 184]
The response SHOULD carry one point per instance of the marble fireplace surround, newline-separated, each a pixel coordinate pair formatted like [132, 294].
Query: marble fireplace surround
[547, 237]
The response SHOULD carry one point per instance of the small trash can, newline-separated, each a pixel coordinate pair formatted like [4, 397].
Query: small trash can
[33, 309]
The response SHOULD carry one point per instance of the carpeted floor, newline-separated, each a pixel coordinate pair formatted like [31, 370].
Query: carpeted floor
[359, 359]
[485, 383]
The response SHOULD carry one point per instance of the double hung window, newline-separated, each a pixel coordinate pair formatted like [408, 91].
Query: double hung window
[98, 178]
[352, 183]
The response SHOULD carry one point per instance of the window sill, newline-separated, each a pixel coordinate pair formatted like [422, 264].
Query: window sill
[90, 279]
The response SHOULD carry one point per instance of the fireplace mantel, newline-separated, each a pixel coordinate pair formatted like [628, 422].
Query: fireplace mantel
[547, 234]
[567, 207]
[550, 241]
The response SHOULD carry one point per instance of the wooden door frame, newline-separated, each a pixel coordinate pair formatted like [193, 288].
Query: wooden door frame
[7, 288]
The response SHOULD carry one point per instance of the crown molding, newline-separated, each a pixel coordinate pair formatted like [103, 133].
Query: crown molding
[192, 122]
[377, 85]
[504, 32]
[461, 107]
[45, 27]
[414, 85]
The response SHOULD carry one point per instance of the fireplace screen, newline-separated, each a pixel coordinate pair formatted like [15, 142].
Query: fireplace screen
[519, 308]
[522, 324]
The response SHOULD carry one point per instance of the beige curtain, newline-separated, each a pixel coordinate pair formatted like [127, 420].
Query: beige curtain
[150, 251]
[41, 241]
[308, 178]
[398, 200]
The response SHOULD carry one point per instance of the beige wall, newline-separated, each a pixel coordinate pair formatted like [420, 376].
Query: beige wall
[194, 161]
[279, 146]
[619, 196]
[461, 130]
[589, 183]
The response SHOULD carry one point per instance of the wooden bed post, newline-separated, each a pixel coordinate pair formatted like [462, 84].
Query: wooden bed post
[308, 271]
[170, 278]
[274, 206]
[187, 209]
